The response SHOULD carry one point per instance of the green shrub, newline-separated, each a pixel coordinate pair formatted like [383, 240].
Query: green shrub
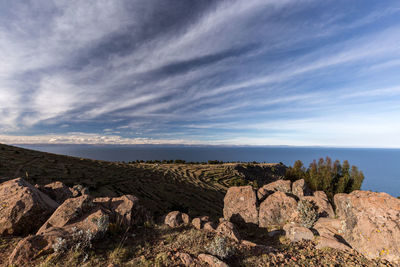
[221, 248]
[308, 213]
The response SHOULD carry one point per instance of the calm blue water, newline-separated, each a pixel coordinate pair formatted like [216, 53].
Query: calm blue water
[381, 167]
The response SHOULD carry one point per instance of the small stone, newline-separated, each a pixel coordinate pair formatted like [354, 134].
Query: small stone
[212, 260]
[186, 259]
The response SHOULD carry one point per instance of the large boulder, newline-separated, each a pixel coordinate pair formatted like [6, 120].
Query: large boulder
[57, 191]
[240, 205]
[77, 235]
[371, 223]
[23, 208]
[77, 222]
[268, 189]
[324, 206]
[68, 212]
[277, 209]
[300, 188]
[34, 246]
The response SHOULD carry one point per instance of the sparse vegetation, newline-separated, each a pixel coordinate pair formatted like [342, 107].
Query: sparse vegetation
[221, 247]
[308, 212]
[330, 177]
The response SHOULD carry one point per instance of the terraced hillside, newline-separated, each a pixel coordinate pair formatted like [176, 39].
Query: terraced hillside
[194, 188]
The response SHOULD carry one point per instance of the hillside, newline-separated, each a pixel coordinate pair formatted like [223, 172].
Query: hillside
[194, 188]
[152, 214]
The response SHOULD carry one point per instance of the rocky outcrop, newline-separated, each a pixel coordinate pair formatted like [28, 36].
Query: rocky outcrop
[57, 191]
[80, 233]
[300, 189]
[240, 205]
[296, 233]
[176, 218]
[34, 246]
[268, 189]
[324, 206]
[370, 223]
[277, 209]
[23, 208]
[76, 222]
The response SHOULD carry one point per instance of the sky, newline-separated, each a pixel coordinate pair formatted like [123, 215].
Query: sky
[222, 72]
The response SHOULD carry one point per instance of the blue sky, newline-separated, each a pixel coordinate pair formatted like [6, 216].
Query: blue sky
[254, 72]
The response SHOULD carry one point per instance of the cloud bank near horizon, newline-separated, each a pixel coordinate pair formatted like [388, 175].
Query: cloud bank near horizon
[250, 72]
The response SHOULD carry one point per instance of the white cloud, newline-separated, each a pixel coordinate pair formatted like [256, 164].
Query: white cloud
[87, 138]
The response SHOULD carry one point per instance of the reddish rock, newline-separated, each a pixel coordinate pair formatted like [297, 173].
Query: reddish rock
[371, 223]
[296, 233]
[57, 191]
[175, 218]
[196, 222]
[199, 222]
[185, 218]
[23, 208]
[277, 209]
[212, 260]
[78, 220]
[88, 227]
[300, 188]
[209, 226]
[268, 189]
[229, 230]
[68, 212]
[247, 243]
[240, 205]
[126, 210]
[33, 246]
[324, 206]
[186, 259]
[328, 227]
[331, 242]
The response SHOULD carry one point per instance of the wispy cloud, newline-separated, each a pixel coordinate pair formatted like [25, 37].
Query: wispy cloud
[218, 72]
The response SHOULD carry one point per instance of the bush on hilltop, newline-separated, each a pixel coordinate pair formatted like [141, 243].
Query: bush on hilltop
[330, 177]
